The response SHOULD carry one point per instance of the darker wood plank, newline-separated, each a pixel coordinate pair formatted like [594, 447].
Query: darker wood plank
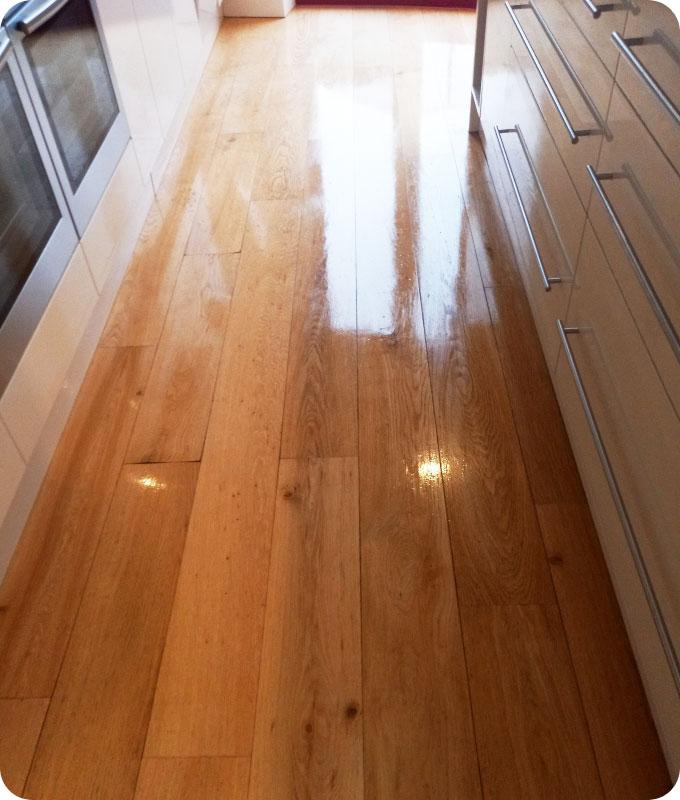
[20, 724]
[625, 740]
[532, 736]
[47, 576]
[93, 738]
[193, 779]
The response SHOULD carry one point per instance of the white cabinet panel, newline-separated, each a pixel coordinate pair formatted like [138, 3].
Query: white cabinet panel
[30, 395]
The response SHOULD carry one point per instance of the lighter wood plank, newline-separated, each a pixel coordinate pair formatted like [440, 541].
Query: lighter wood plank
[20, 724]
[193, 779]
[624, 737]
[48, 573]
[93, 738]
[205, 703]
[173, 417]
[550, 464]
[221, 216]
[371, 38]
[282, 167]
[248, 105]
[138, 314]
[532, 737]
[308, 734]
[320, 416]
[417, 723]
[212, 95]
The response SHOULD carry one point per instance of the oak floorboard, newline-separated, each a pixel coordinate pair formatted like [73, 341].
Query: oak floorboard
[320, 417]
[93, 738]
[220, 219]
[308, 732]
[498, 551]
[246, 111]
[624, 738]
[138, 314]
[549, 461]
[418, 736]
[281, 169]
[205, 701]
[47, 575]
[20, 724]
[193, 779]
[532, 736]
[173, 417]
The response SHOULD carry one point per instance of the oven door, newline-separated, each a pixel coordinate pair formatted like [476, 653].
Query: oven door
[37, 237]
[62, 55]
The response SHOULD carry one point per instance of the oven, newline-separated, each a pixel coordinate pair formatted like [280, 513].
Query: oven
[37, 234]
[62, 56]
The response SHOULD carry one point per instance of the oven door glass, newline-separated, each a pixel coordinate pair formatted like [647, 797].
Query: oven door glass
[37, 236]
[62, 56]
[71, 74]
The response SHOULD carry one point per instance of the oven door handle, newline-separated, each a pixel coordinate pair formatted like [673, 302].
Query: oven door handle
[5, 47]
[34, 14]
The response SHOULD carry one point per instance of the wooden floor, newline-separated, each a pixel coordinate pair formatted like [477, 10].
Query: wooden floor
[314, 529]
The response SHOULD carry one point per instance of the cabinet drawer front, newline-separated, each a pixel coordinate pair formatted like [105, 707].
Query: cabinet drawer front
[637, 423]
[547, 216]
[649, 72]
[635, 217]
[596, 19]
[570, 84]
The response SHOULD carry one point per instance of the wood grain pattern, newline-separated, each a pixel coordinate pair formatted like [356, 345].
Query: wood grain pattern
[246, 111]
[320, 416]
[281, 170]
[550, 464]
[194, 778]
[48, 573]
[173, 417]
[498, 551]
[220, 220]
[308, 734]
[532, 737]
[415, 688]
[93, 738]
[20, 724]
[630, 763]
[138, 314]
[205, 702]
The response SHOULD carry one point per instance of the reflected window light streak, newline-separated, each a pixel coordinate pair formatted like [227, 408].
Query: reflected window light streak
[376, 207]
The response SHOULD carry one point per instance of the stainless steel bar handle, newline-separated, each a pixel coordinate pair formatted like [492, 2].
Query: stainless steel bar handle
[547, 281]
[617, 496]
[597, 9]
[34, 14]
[546, 81]
[638, 267]
[626, 47]
[5, 48]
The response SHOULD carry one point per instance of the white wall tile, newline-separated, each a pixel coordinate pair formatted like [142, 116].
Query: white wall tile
[12, 468]
[30, 395]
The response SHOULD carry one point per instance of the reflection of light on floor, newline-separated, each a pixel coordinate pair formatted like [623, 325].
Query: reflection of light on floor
[335, 131]
[149, 482]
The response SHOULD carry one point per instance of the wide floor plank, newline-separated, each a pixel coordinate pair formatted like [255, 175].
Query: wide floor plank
[193, 779]
[308, 734]
[173, 417]
[93, 738]
[321, 413]
[20, 724]
[221, 216]
[205, 703]
[416, 703]
[532, 736]
[630, 763]
[48, 573]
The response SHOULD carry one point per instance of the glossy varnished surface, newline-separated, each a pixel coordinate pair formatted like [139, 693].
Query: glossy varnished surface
[314, 529]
